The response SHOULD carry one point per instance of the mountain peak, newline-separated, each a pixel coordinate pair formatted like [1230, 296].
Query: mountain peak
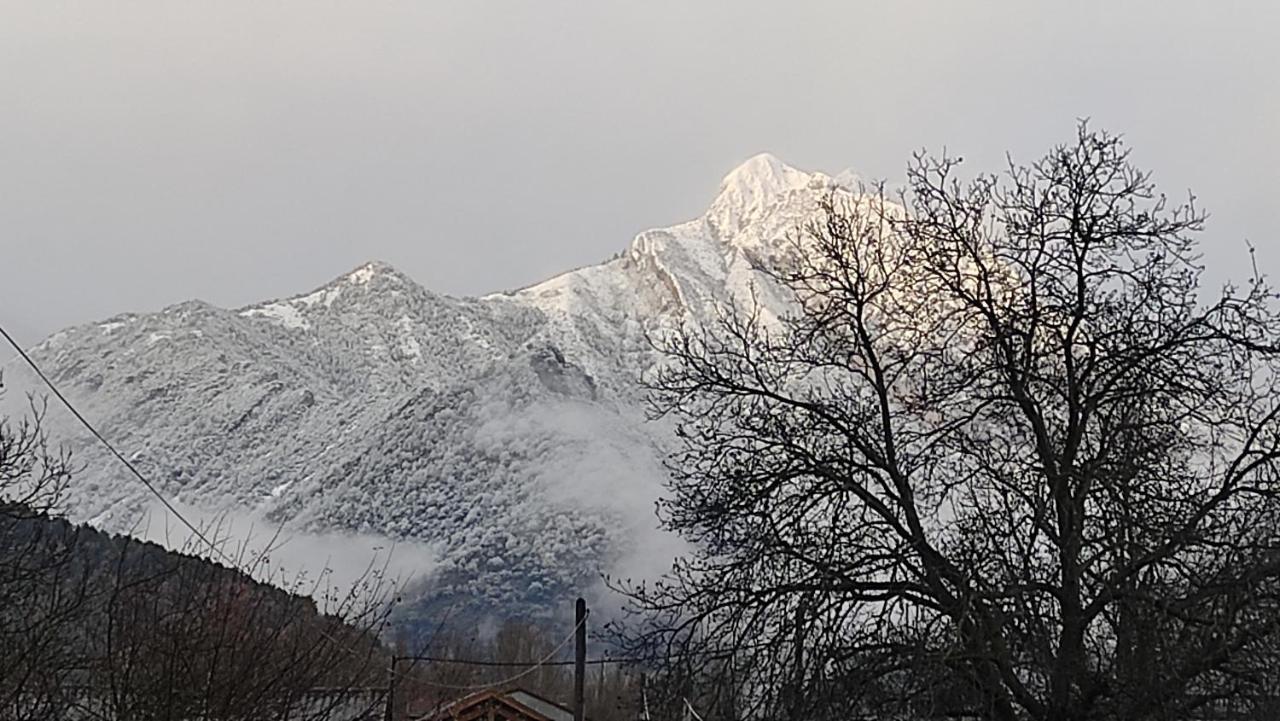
[369, 274]
[760, 176]
[373, 269]
[759, 181]
[756, 188]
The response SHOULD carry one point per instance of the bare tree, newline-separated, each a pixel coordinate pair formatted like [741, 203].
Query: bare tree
[43, 595]
[1005, 460]
[181, 637]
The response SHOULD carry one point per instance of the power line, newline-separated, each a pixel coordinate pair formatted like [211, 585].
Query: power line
[509, 664]
[141, 478]
[546, 661]
[102, 439]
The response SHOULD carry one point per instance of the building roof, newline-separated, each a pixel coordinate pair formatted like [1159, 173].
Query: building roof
[515, 704]
[550, 709]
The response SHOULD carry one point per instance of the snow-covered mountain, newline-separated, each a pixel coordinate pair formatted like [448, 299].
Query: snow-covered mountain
[506, 431]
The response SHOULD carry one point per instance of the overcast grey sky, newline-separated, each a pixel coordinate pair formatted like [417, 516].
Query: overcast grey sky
[152, 152]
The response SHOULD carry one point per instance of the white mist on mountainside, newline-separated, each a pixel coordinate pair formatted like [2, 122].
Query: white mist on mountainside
[304, 561]
[506, 433]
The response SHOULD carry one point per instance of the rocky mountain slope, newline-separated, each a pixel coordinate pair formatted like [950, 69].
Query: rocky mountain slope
[506, 431]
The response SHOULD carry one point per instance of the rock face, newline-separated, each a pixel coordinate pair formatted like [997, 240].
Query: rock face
[507, 430]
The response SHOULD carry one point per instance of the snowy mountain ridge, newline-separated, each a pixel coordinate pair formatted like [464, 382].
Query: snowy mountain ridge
[505, 430]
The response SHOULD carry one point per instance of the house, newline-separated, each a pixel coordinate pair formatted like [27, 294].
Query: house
[511, 705]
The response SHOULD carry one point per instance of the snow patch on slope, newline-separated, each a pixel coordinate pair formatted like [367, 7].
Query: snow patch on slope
[283, 313]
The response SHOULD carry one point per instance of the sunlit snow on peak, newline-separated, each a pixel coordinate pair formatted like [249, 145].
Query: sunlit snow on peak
[363, 274]
[759, 178]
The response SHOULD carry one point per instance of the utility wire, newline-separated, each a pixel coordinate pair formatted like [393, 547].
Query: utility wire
[138, 474]
[545, 661]
[508, 664]
[127, 464]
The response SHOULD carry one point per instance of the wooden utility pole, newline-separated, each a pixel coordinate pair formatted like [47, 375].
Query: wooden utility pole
[580, 661]
[644, 697]
[391, 689]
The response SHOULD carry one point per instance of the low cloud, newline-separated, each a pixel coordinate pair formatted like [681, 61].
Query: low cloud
[605, 467]
[307, 562]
